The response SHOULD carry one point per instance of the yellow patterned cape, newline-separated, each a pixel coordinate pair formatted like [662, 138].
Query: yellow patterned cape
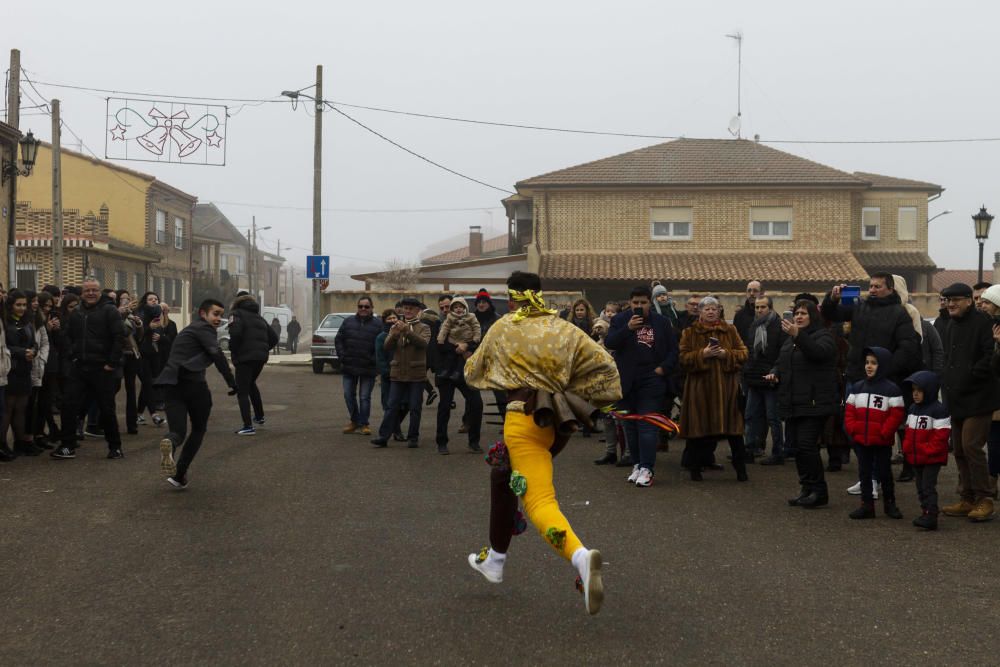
[544, 352]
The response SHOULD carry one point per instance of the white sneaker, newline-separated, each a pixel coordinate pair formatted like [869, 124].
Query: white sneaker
[167, 466]
[490, 569]
[635, 474]
[593, 586]
[645, 477]
[856, 490]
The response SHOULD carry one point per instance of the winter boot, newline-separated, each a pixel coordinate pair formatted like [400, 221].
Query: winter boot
[891, 510]
[927, 520]
[865, 511]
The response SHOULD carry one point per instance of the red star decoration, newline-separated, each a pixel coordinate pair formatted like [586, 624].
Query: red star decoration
[118, 133]
[214, 139]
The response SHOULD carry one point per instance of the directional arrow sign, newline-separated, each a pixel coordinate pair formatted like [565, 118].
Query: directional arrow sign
[318, 267]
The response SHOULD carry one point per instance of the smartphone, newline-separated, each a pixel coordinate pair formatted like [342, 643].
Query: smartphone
[713, 341]
[642, 315]
[849, 294]
[787, 315]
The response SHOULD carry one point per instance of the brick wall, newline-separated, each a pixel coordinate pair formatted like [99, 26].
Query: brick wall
[889, 204]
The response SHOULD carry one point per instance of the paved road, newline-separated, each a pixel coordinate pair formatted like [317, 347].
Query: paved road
[305, 546]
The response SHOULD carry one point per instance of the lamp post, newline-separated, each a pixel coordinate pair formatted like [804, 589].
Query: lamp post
[9, 169]
[935, 217]
[982, 222]
[254, 282]
[317, 180]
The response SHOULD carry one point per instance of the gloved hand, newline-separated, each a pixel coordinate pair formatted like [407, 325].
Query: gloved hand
[232, 390]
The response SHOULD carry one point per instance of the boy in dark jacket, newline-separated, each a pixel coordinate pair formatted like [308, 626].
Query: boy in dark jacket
[250, 342]
[187, 394]
[925, 442]
[873, 413]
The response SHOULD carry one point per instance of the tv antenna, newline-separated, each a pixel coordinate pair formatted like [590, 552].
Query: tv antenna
[736, 121]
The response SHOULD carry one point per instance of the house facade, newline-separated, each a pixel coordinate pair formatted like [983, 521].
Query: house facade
[709, 215]
[9, 138]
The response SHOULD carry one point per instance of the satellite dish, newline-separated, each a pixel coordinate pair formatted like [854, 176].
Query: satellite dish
[734, 126]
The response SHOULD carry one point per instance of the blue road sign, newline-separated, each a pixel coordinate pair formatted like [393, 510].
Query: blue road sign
[318, 267]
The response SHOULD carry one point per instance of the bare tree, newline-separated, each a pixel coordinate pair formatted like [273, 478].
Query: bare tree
[400, 275]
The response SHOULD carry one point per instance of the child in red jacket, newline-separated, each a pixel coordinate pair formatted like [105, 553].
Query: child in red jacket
[925, 442]
[872, 415]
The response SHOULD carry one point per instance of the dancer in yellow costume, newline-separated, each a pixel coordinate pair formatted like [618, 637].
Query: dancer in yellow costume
[530, 353]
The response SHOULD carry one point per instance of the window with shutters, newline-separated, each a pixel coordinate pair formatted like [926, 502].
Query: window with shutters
[906, 225]
[670, 223]
[178, 233]
[161, 227]
[870, 222]
[773, 223]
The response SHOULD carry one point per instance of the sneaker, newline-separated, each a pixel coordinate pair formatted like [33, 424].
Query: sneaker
[259, 420]
[864, 511]
[491, 569]
[247, 430]
[431, 396]
[167, 465]
[350, 428]
[983, 511]
[644, 478]
[178, 482]
[365, 430]
[63, 453]
[93, 432]
[116, 453]
[634, 474]
[140, 420]
[855, 490]
[158, 420]
[927, 521]
[380, 443]
[593, 585]
[961, 508]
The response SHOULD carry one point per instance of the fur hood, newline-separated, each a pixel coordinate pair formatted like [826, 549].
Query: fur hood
[245, 302]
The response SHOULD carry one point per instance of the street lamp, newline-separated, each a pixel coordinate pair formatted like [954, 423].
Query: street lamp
[29, 150]
[934, 217]
[982, 222]
[317, 180]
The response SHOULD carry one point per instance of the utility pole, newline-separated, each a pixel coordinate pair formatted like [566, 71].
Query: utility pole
[249, 264]
[277, 278]
[57, 217]
[14, 120]
[317, 187]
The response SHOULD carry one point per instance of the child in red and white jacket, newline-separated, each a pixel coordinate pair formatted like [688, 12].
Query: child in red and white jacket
[925, 442]
[872, 415]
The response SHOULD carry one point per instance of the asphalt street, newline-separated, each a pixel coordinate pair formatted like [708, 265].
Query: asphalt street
[302, 545]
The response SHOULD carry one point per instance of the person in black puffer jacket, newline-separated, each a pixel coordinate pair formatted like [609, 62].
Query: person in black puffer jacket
[806, 375]
[20, 337]
[355, 344]
[250, 341]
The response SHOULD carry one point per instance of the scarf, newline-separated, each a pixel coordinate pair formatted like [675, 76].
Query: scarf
[760, 331]
[406, 341]
[530, 304]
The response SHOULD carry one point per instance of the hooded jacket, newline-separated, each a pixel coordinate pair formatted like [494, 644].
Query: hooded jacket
[928, 426]
[970, 386]
[250, 336]
[355, 345]
[874, 408]
[807, 374]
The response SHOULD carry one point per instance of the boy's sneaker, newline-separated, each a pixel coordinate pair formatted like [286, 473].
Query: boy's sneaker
[645, 477]
[247, 430]
[167, 465]
[259, 420]
[634, 474]
[865, 511]
[116, 453]
[486, 566]
[158, 420]
[63, 453]
[178, 482]
[927, 521]
[140, 420]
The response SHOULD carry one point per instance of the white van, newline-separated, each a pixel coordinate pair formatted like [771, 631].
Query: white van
[284, 316]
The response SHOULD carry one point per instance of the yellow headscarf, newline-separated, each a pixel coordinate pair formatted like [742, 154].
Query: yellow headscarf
[531, 304]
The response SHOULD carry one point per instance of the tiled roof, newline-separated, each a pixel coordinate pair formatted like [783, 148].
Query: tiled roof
[881, 182]
[825, 267]
[888, 259]
[210, 222]
[700, 162]
[491, 247]
[948, 276]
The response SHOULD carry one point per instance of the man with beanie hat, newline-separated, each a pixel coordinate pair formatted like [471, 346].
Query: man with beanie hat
[487, 315]
[972, 393]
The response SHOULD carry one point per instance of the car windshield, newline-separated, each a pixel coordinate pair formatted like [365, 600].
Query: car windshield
[331, 322]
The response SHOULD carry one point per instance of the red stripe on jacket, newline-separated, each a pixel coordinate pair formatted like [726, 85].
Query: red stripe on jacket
[872, 419]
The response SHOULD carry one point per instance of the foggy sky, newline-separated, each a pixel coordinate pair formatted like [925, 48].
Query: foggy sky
[846, 70]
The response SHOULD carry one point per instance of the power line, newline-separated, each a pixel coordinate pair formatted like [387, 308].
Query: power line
[360, 210]
[161, 95]
[414, 153]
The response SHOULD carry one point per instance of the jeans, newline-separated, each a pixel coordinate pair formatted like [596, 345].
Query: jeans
[358, 396]
[807, 459]
[383, 385]
[875, 460]
[187, 399]
[81, 386]
[926, 478]
[246, 390]
[762, 413]
[410, 393]
[473, 411]
[646, 397]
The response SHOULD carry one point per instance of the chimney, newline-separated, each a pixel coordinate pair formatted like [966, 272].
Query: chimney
[475, 241]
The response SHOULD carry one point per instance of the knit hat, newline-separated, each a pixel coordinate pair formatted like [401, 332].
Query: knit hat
[659, 289]
[483, 295]
[957, 290]
[992, 294]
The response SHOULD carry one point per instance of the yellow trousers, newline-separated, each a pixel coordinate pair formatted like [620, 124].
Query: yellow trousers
[528, 446]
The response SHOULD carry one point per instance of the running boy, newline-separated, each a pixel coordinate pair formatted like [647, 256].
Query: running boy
[186, 389]
[925, 442]
[872, 415]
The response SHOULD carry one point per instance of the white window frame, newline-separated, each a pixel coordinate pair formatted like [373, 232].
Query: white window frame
[161, 227]
[916, 223]
[672, 225]
[770, 235]
[179, 233]
[878, 226]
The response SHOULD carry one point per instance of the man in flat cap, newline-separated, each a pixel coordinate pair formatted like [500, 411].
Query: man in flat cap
[972, 393]
[408, 339]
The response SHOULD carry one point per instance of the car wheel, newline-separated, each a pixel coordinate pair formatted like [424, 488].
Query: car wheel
[318, 366]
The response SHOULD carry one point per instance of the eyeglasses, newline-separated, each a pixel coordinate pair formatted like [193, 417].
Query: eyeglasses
[364, 307]
[954, 299]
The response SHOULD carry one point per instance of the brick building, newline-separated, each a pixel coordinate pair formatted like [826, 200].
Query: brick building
[707, 215]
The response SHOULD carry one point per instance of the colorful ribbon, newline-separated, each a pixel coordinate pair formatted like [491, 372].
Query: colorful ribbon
[655, 418]
[532, 304]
